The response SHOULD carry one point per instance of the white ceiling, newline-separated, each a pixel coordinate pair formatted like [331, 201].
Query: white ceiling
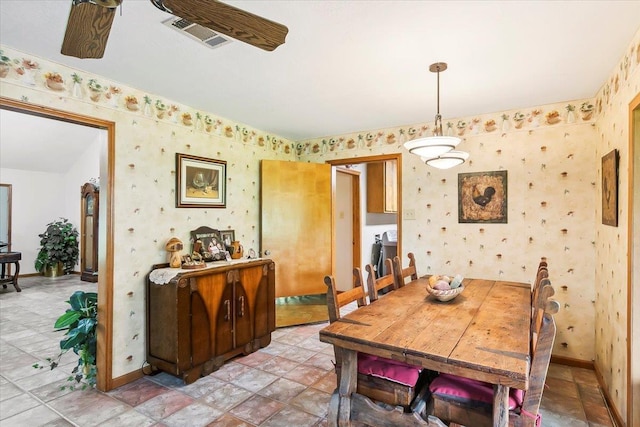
[349, 66]
[35, 143]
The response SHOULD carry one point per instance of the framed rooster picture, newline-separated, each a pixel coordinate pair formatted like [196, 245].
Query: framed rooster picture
[482, 197]
[610, 189]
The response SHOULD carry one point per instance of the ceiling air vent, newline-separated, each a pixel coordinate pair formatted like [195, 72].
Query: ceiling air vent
[197, 32]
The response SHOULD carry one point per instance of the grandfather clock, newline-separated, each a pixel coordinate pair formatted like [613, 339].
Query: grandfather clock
[89, 232]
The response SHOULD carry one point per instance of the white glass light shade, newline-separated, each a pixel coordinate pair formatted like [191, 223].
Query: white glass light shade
[447, 160]
[432, 146]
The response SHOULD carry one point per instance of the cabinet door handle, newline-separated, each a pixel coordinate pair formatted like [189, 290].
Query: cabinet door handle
[241, 303]
[227, 305]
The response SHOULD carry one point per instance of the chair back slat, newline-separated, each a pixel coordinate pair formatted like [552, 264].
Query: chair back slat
[360, 286]
[543, 263]
[336, 300]
[543, 273]
[387, 282]
[538, 307]
[402, 273]
[540, 363]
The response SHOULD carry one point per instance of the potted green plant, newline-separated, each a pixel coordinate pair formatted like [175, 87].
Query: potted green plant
[80, 323]
[58, 246]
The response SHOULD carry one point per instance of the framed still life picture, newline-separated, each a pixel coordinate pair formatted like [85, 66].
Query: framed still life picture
[482, 197]
[610, 189]
[200, 182]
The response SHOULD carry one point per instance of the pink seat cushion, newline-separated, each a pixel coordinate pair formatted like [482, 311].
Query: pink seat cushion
[467, 390]
[392, 370]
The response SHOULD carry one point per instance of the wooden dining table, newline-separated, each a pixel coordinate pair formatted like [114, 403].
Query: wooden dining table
[483, 334]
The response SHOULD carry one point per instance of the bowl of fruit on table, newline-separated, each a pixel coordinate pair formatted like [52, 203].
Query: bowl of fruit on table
[445, 288]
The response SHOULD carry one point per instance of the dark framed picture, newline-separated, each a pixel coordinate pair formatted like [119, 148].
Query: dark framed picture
[200, 182]
[228, 236]
[610, 189]
[482, 197]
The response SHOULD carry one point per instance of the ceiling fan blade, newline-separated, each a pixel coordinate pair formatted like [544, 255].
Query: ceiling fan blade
[228, 20]
[87, 30]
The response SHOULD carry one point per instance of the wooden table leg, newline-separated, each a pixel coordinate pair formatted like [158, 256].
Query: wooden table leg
[348, 385]
[500, 405]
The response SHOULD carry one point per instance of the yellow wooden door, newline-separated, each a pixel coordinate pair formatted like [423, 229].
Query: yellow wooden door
[296, 224]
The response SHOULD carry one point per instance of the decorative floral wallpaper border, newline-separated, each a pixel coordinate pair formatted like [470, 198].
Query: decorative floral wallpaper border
[619, 77]
[29, 72]
[49, 76]
[499, 124]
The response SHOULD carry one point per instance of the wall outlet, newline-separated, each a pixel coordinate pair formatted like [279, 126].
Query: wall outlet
[409, 214]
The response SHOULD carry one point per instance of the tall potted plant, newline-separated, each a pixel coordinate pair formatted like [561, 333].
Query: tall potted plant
[59, 248]
[80, 323]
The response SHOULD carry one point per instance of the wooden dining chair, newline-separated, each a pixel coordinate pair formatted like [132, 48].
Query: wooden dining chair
[382, 284]
[541, 273]
[538, 307]
[462, 401]
[538, 301]
[402, 273]
[389, 381]
[543, 267]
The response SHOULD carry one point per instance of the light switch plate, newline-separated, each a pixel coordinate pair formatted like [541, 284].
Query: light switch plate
[409, 214]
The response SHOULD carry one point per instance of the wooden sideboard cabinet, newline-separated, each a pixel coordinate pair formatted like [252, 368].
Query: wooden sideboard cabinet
[201, 318]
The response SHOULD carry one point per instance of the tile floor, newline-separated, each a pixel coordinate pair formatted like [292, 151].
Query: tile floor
[285, 384]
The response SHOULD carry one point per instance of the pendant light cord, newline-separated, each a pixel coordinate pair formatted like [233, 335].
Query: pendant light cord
[438, 130]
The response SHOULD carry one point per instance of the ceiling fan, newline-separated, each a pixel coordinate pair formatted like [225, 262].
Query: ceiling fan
[90, 22]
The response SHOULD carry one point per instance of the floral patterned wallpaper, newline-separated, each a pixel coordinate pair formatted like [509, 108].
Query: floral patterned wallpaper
[611, 244]
[149, 131]
[551, 153]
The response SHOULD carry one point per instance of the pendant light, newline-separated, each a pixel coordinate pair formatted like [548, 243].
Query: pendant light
[447, 160]
[437, 150]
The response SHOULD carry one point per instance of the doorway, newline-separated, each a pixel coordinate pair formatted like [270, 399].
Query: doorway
[347, 226]
[359, 236]
[105, 282]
